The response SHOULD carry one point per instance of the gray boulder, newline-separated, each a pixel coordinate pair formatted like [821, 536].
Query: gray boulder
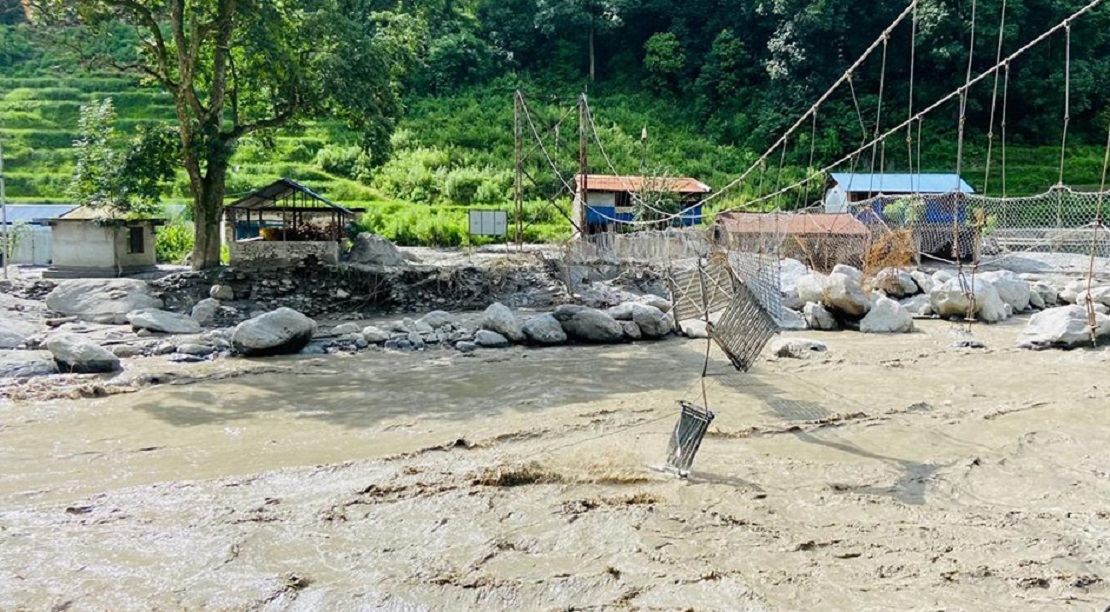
[1048, 294]
[653, 323]
[416, 340]
[923, 281]
[887, 317]
[588, 324]
[843, 295]
[223, 293]
[344, 329]
[790, 271]
[940, 277]
[792, 320]
[918, 305]
[544, 329]
[631, 330]
[163, 322]
[281, 332]
[437, 319]
[372, 249]
[694, 328]
[204, 313]
[80, 355]
[1011, 288]
[849, 271]
[818, 318]
[1062, 327]
[950, 300]
[490, 339]
[895, 283]
[811, 287]
[1099, 295]
[651, 299]
[1036, 302]
[797, 348]
[197, 350]
[14, 333]
[498, 318]
[466, 346]
[26, 367]
[374, 335]
[101, 300]
[622, 311]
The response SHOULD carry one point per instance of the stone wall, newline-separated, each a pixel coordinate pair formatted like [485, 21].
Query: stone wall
[263, 253]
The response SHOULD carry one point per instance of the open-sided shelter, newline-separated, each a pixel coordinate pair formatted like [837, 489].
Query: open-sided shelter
[285, 223]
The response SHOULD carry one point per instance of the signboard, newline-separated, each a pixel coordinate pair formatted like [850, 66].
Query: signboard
[488, 222]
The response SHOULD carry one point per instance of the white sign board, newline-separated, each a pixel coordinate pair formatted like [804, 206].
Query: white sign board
[488, 222]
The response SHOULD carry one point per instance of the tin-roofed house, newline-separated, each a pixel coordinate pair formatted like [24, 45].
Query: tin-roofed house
[285, 223]
[603, 202]
[930, 206]
[101, 243]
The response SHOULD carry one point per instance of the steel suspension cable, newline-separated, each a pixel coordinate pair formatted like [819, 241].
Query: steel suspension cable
[994, 98]
[1067, 99]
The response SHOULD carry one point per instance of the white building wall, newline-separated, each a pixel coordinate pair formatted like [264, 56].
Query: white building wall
[84, 244]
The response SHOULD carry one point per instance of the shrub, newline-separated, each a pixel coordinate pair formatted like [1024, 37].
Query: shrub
[173, 242]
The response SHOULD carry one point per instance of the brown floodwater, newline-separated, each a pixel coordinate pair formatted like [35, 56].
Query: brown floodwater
[889, 473]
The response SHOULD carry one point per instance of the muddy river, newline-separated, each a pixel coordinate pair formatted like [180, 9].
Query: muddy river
[891, 473]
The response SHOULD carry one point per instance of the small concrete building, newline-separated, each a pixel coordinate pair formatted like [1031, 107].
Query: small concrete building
[602, 201]
[95, 243]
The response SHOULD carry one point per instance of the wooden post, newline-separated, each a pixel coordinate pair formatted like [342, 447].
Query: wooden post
[518, 182]
[582, 183]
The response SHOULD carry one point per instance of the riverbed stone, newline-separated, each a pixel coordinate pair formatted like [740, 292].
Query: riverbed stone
[223, 293]
[588, 324]
[810, 287]
[887, 317]
[201, 350]
[1099, 295]
[544, 329]
[817, 317]
[631, 330]
[1050, 297]
[792, 320]
[918, 305]
[949, 300]
[13, 333]
[842, 295]
[622, 311]
[797, 348]
[437, 319]
[101, 300]
[22, 367]
[281, 332]
[653, 323]
[895, 283]
[498, 318]
[374, 335]
[205, 311]
[1011, 288]
[163, 322]
[466, 346]
[344, 329]
[923, 281]
[656, 301]
[80, 355]
[491, 339]
[1062, 327]
[694, 328]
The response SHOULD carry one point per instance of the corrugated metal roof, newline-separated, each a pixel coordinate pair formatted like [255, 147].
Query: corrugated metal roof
[789, 223]
[31, 213]
[269, 195]
[609, 182]
[900, 183]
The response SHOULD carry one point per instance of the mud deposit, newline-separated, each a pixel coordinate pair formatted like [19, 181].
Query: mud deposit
[892, 473]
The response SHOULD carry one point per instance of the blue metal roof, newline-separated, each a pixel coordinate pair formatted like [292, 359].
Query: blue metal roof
[900, 183]
[31, 213]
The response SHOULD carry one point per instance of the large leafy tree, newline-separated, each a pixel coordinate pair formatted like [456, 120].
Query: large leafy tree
[564, 17]
[236, 67]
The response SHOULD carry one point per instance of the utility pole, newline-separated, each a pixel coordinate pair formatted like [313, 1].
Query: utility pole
[518, 181]
[4, 212]
[583, 163]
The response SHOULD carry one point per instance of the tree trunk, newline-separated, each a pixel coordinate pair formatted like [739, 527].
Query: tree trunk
[208, 207]
[593, 71]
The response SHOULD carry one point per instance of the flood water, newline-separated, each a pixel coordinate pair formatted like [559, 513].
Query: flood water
[890, 473]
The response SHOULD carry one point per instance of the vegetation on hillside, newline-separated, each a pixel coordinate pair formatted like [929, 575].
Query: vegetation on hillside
[714, 82]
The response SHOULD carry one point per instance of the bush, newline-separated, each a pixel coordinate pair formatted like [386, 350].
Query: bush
[173, 242]
[348, 162]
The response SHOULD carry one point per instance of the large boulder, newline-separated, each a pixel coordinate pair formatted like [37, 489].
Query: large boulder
[811, 287]
[1062, 327]
[923, 281]
[694, 328]
[918, 305]
[843, 295]
[372, 249]
[950, 299]
[498, 318]
[653, 323]
[1099, 295]
[1048, 294]
[222, 292]
[281, 332]
[80, 355]
[22, 366]
[622, 311]
[101, 300]
[887, 317]
[490, 339]
[790, 271]
[651, 299]
[205, 311]
[544, 329]
[895, 283]
[14, 333]
[437, 319]
[792, 320]
[818, 318]
[853, 273]
[1013, 289]
[163, 322]
[375, 335]
[589, 324]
